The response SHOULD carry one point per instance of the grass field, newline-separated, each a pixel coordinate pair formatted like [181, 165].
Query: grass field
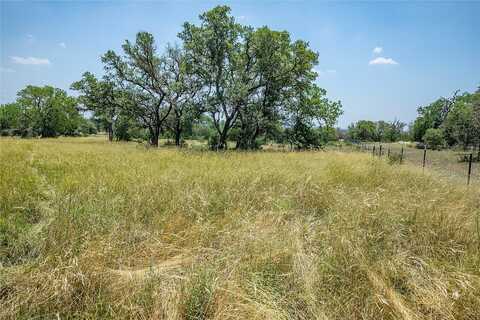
[92, 230]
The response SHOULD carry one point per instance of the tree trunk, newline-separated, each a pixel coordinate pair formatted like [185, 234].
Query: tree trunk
[154, 134]
[154, 141]
[178, 134]
[222, 140]
[110, 132]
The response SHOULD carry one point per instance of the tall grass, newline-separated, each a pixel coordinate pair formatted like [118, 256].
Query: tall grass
[97, 230]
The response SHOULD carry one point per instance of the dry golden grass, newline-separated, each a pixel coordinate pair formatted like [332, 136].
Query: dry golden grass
[93, 230]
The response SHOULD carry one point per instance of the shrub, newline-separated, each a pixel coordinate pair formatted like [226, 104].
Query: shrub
[6, 133]
[434, 138]
[213, 142]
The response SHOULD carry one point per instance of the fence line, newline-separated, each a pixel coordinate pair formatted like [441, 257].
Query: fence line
[379, 150]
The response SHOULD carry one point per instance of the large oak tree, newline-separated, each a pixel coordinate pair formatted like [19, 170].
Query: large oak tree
[247, 73]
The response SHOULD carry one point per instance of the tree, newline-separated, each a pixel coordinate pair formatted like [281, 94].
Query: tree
[363, 130]
[246, 73]
[395, 131]
[476, 116]
[388, 131]
[127, 129]
[102, 98]
[280, 80]
[141, 74]
[184, 93]
[48, 111]
[308, 116]
[462, 123]
[9, 116]
[434, 138]
[432, 116]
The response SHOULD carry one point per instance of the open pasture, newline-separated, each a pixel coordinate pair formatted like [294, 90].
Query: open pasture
[91, 229]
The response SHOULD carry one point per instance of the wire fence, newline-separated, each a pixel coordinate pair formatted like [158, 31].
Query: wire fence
[462, 166]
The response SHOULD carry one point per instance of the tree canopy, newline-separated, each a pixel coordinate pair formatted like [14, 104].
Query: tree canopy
[245, 84]
[380, 131]
[252, 78]
[42, 111]
[457, 118]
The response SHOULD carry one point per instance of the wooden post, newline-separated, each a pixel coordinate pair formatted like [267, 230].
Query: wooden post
[401, 155]
[424, 157]
[470, 159]
[380, 152]
[388, 153]
[373, 152]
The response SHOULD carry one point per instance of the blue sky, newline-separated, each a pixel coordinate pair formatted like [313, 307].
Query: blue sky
[424, 49]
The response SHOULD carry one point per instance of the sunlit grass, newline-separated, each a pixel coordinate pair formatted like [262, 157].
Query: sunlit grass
[97, 230]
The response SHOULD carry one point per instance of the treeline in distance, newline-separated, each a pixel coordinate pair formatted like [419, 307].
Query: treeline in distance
[227, 80]
[224, 81]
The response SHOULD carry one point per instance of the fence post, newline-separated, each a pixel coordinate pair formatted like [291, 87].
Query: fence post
[388, 153]
[401, 156]
[373, 151]
[470, 159]
[380, 152]
[424, 157]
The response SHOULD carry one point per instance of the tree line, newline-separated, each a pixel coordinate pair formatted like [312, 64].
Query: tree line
[453, 121]
[377, 131]
[228, 81]
[223, 82]
[446, 122]
[43, 111]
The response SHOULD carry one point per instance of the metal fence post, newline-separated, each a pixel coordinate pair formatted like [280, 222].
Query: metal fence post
[401, 155]
[380, 152]
[373, 152]
[470, 159]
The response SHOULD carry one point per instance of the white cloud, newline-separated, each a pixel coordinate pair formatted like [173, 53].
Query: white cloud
[62, 44]
[377, 50]
[6, 70]
[30, 60]
[382, 60]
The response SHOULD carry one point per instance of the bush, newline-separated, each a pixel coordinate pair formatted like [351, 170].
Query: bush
[6, 133]
[434, 138]
[213, 142]
[87, 127]
[27, 133]
[127, 130]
